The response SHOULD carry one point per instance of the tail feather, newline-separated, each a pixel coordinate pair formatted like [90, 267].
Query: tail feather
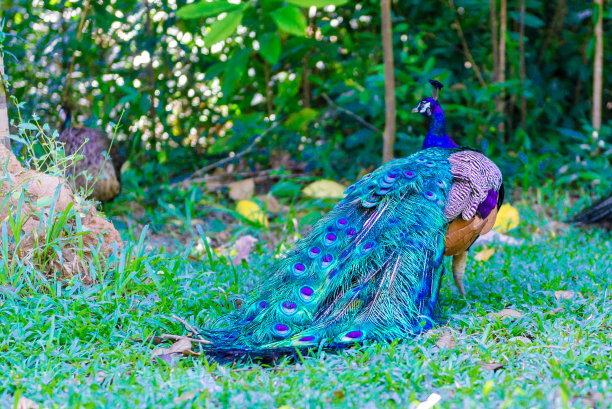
[369, 270]
[600, 212]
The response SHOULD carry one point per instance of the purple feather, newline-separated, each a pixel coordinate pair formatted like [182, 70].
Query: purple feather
[488, 204]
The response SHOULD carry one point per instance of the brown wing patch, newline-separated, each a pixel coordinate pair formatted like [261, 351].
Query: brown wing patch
[462, 233]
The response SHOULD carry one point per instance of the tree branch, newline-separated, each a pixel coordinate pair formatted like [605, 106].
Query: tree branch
[351, 114]
[464, 44]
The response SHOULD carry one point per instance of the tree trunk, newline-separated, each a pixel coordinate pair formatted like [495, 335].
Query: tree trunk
[4, 121]
[501, 77]
[522, 69]
[387, 40]
[494, 43]
[305, 81]
[598, 67]
[151, 74]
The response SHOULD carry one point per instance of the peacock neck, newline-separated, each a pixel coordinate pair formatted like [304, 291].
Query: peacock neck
[437, 136]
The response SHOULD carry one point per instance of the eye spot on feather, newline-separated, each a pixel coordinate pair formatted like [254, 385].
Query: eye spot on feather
[299, 269]
[289, 307]
[421, 160]
[330, 238]
[366, 248]
[409, 174]
[430, 164]
[281, 329]
[306, 293]
[430, 195]
[314, 252]
[263, 305]
[341, 223]
[307, 338]
[441, 183]
[351, 232]
[352, 336]
[326, 260]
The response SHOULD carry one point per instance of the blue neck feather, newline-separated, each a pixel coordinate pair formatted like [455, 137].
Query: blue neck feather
[437, 136]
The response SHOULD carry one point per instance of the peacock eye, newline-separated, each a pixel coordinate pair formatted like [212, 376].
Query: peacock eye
[428, 111]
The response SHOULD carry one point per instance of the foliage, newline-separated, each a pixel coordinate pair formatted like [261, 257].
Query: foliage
[216, 72]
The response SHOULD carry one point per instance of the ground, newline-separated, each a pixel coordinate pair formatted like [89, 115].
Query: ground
[81, 346]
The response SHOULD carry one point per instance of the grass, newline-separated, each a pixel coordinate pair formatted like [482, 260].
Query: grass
[73, 345]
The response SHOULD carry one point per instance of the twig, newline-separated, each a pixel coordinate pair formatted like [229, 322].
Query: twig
[465, 46]
[248, 149]
[179, 337]
[351, 114]
[189, 327]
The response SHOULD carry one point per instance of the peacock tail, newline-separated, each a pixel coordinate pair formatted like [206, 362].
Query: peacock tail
[370, 270]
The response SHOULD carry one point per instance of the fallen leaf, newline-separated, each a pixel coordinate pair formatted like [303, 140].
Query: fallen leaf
[238, 303]
[520, 339]
[171, 355]
[506, 313]
[593, 399]
[271, 203]
[324, 189]
[446, 341]
[243, 246]
[556, 310]
[25, 403]
[430, 402]
[339, 394]
[251, 211]
[242, 189]
[507, 218]
[566, 295]
[484, 254]
[491, 366]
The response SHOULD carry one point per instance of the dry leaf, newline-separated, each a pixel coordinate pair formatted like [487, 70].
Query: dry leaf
[339, 394]
[506, 313]
[243, 246]
[325, 189]
[521, 339]
[491, 366]
[242, 189]
[25, 403]
[484, 254]
[271, 203]
[593, 399]
[171, 355]
[446, 341]
[566, 295]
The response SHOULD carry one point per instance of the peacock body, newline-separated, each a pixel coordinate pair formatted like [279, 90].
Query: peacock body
[600, 213]
[100, 165]
[371, 269]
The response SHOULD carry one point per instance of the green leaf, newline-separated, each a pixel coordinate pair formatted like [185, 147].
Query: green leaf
[286, 189]
[234, 71]
[299, 120]
[206, 9]
[290, 20]
[317, 3]
[221, 29]
[270, 47]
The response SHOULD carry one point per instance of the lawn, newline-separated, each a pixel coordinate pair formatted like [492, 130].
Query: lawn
[81, 346]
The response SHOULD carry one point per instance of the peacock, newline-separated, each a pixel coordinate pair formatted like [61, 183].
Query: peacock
[100, 161]
[599, 213]
[371, 269]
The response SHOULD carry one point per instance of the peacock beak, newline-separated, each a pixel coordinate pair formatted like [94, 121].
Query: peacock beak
[415, 110]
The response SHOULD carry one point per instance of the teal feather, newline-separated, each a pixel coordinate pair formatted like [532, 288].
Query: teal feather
[370, 270]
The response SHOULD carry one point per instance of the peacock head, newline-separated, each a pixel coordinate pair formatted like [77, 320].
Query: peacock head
[426, 107]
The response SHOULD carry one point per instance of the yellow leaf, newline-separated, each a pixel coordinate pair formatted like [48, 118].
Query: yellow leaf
[507, 218]
[484, 254]
[324, 189]
[251, 210]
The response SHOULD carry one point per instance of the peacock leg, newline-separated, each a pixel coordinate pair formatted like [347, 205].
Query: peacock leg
[458, 268]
